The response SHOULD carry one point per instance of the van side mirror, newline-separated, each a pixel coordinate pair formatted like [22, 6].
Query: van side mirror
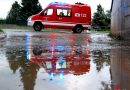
[41, 14]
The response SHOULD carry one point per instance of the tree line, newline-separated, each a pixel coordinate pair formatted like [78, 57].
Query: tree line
[19, 14]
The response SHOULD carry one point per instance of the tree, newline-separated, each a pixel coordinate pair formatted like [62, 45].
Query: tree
[13, 14]
[28, 8]
[99, 18]
[108, 17]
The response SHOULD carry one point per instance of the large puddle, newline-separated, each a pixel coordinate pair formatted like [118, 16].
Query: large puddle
[61, 61]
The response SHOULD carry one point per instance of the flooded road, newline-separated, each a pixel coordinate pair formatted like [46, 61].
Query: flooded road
[62, 61]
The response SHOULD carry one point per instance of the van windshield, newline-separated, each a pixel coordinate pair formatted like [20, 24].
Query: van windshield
[47, 12]
[50, 12]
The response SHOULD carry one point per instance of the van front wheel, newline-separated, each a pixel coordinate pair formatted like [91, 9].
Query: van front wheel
[37, 26]
[77, 29]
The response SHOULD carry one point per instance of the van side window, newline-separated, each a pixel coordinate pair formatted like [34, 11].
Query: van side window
[64, 12]
[47, 12]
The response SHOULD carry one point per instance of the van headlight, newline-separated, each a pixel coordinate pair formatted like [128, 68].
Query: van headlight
[29, 19]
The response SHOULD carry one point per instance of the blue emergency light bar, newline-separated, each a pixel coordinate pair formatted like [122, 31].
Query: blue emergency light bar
[61, 3]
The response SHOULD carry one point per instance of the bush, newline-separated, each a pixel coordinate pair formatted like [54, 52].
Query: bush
[2, 21]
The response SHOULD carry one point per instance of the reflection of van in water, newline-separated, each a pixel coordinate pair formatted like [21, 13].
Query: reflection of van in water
[62, 16]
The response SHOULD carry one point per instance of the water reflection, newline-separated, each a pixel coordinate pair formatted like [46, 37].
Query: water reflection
[28, 73]
[101, 58]
[58, 58]
[120, 68]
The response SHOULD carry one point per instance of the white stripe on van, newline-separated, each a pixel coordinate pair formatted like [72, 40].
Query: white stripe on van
[57, 24]
[63, 24]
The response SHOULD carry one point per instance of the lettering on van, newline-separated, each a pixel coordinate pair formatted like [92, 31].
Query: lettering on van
[80, 15]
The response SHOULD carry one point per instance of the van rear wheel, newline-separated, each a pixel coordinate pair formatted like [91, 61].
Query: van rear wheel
[77, 29]
[37, 26]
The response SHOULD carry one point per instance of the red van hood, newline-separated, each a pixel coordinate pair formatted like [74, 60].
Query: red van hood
[34, 17]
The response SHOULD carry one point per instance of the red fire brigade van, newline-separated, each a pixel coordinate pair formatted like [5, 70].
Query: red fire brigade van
[62, 16]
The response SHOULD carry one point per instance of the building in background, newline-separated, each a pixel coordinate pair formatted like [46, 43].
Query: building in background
[120, 18]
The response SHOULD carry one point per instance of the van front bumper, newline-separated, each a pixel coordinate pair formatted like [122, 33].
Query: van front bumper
[30, 23]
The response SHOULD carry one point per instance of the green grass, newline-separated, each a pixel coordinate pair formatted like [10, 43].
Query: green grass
[116, 37]
[103, 30]
[13, 26]
[106, 31]
[23, 27]
[1, 30]
[17, 27]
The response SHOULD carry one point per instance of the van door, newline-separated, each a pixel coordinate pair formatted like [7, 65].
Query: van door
[47, 17]
[64, 17]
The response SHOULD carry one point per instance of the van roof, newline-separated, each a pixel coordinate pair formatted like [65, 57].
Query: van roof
[66, 5]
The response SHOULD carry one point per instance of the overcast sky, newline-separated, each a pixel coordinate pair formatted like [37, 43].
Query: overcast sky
[5, 5]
